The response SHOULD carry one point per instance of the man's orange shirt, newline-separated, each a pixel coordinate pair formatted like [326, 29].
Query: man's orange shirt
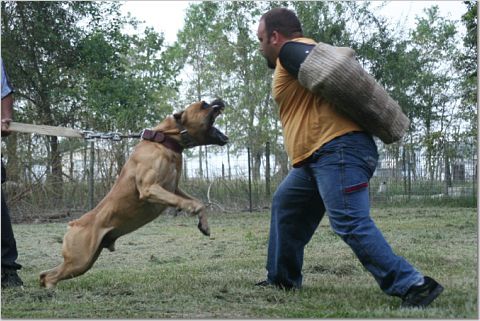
[308, 120]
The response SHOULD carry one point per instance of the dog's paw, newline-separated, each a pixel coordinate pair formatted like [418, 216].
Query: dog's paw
[43, 281]
[193, 207]
[204, 230]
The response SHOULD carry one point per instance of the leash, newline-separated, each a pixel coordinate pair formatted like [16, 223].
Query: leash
[115, 136]
[146, 134]
[69, 132]
[45, 130]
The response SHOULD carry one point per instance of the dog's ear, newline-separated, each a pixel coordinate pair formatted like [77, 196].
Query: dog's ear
[178, 115]
[217, 102]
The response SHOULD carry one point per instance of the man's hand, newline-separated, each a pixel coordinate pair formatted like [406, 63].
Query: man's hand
[5, 126]
[7, 114]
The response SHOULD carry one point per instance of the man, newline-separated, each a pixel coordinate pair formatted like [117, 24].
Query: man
[10, 276]
[333, 160]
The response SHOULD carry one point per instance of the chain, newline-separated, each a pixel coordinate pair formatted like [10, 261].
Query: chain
[115, 136]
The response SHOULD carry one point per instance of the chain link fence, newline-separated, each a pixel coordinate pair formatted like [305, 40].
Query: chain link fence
[224, 181]
[404, 175]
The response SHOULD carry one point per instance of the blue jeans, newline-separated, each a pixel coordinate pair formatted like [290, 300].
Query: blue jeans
[333, 180]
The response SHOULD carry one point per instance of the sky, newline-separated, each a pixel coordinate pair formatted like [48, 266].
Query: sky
[168, 16]
[163, 16]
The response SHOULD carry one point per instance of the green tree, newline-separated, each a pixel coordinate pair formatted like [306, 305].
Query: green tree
[73, 66]
[197, 42]
[42, 39]
[254, 119]
[436, 97]
[467, 65]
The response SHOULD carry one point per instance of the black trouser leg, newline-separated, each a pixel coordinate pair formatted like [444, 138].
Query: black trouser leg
[9, 246]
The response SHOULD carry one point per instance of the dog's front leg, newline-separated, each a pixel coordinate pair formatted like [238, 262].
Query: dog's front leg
[157, 194]
[202, 216]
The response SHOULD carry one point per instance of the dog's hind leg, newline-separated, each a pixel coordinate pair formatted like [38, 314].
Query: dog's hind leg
[81, 248]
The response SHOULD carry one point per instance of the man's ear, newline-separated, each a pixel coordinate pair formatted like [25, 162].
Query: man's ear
[178, 115]
[275, 37]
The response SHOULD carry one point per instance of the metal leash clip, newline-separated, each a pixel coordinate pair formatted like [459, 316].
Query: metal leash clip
[87, 134]
[116, 136]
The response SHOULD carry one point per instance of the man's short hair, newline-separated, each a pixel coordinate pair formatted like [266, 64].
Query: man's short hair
[284, 21]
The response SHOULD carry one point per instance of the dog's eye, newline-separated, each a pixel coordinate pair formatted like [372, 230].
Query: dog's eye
[178, 116]
[205, 105]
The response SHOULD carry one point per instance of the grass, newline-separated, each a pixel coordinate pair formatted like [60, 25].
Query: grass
[167, 269]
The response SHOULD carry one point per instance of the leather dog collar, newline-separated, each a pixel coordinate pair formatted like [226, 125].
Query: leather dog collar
[163, 139]
[186, 138]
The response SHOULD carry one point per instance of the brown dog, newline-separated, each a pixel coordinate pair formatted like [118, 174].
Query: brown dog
[147, 184]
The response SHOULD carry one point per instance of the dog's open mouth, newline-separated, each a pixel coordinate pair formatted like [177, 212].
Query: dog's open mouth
[215, 135]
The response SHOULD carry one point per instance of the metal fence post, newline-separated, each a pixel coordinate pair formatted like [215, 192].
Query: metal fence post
[206, 163]
[267, 169]
[91, 184]
[249, 181]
